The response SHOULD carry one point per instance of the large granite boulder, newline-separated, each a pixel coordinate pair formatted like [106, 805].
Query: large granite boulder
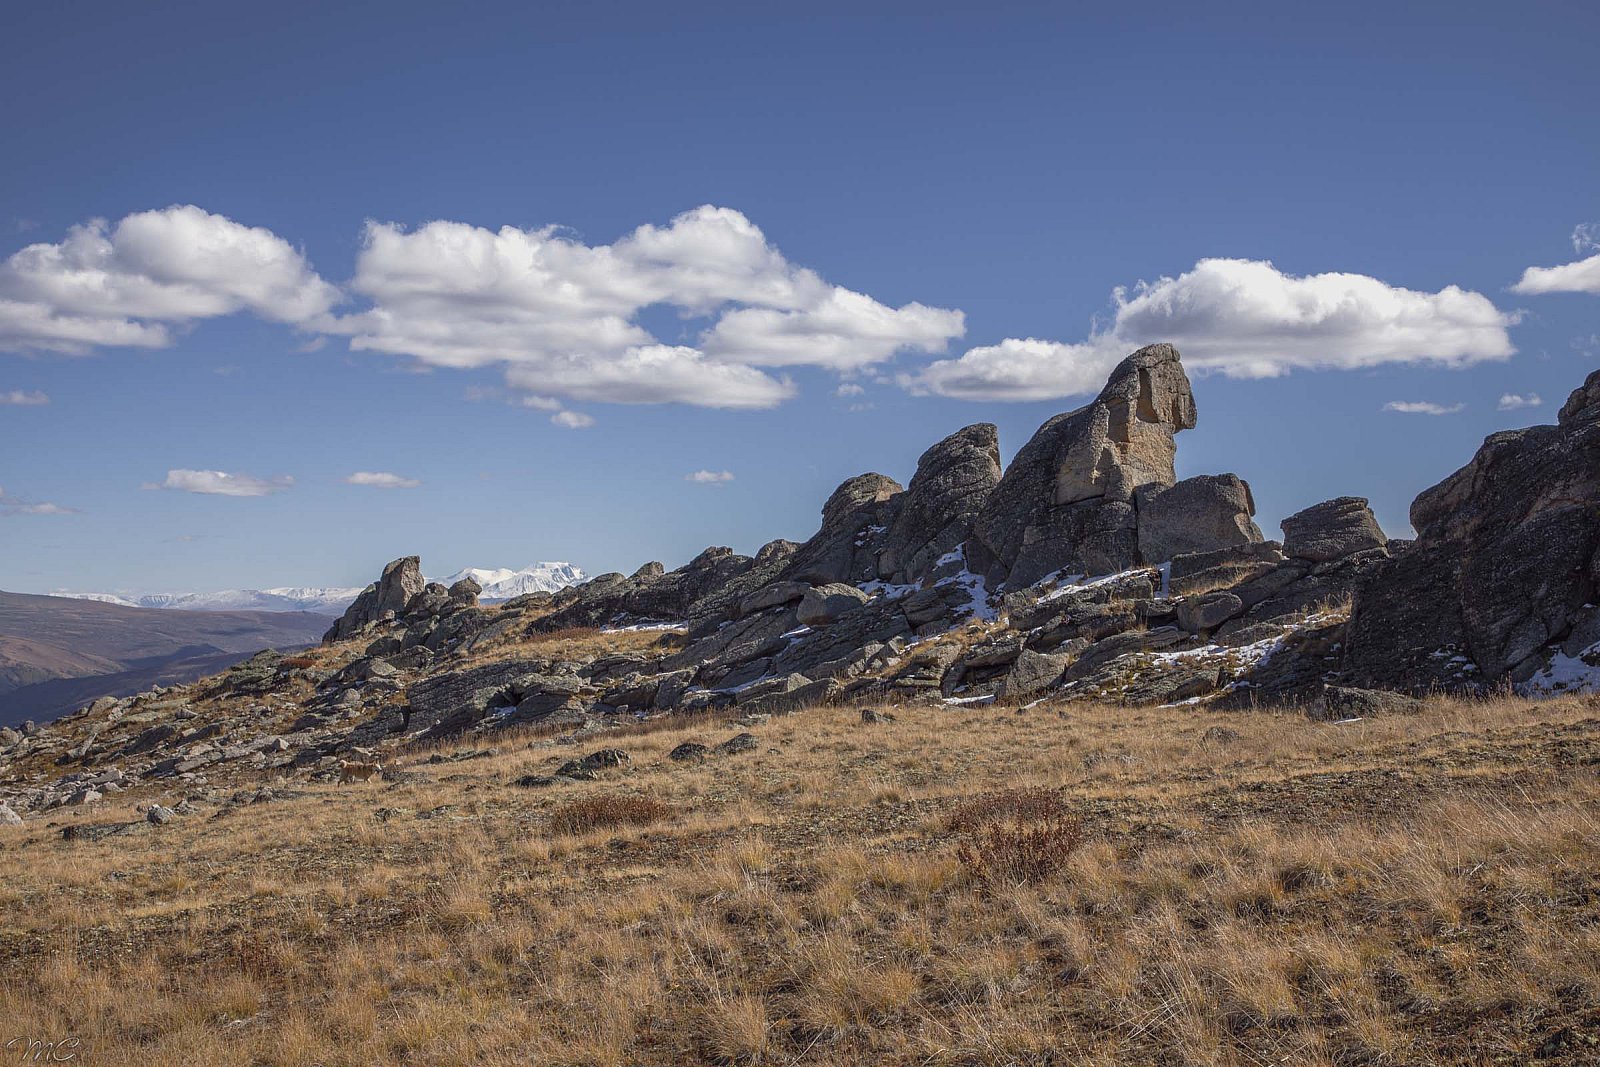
[1201, 514]
[1331, 530]
[854, 521]
[822, 605]
[1506, 559]
[381, 601]
[465, 593]
[948, 491]
[1066, 501]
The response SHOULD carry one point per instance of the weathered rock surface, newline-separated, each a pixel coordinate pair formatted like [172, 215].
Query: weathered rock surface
[1201, 514]
[1506, 558]
[1066, 501]
[947, 493]
[383, 600]
[1332, 530]
[825, 603]
[854, 521]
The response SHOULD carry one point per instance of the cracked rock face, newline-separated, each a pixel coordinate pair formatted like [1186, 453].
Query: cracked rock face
[935, 515]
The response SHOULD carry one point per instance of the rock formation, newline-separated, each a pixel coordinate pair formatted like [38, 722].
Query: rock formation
[1198, 514]
[1332, 529]
[1082, 570]
[383, 600]
[1505, 567]
[934, 516]
[1066, 503]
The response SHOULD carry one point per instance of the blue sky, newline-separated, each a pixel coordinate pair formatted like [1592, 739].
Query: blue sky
[302, 273]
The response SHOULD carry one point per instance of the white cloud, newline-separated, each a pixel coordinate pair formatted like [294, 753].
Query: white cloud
[562, 316]
[572, 420]
[1580, 277]
[1245, 319]
[653, 374]
[382, 480]
[1422, 407]
[1515, 402]
[1019, 369]
[131, 283]
[849, 389]
[21, 398]
[11, 505]
[704, 477]
[221, 483]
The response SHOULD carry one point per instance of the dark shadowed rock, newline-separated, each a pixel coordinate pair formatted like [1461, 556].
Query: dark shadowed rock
[432, 600]
[1066, 500]
[651, 595]
[721, 604]
[1201, 572]
[854, 521]
[1199, 614]
[947, 493]
[1202, 514]
[1506, 559]
[1331, 530]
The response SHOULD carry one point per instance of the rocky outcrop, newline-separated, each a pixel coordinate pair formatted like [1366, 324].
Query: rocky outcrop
[945, 496]
[385, 599]
[1066, 502]
[854, 521]
[1201, 514]
[1332, 530]
[1505, 567]
[651, 594]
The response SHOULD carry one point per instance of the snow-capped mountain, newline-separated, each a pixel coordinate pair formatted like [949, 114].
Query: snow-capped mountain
[503, 584]
[498, 584]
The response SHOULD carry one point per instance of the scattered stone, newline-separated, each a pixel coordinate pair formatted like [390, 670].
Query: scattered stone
[160, 815]
[738, 743]
[1220, 735]
[9, 817]
[873, 716]
[689, 752]
[1345, 702]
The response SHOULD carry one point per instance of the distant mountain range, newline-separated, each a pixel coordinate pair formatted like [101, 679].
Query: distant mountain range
[498, 584]
[57, 653]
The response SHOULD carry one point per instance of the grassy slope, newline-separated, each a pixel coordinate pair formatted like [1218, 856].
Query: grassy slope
[1414, 890]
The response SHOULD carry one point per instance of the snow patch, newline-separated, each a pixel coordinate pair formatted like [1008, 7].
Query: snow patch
[1566, 674]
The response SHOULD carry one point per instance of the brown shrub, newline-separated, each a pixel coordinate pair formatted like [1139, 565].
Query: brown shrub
[603, 812]
[1021, 805]
[1019, 837]
[298, 662]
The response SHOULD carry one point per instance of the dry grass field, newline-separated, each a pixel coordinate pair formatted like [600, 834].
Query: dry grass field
[1066, 885]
